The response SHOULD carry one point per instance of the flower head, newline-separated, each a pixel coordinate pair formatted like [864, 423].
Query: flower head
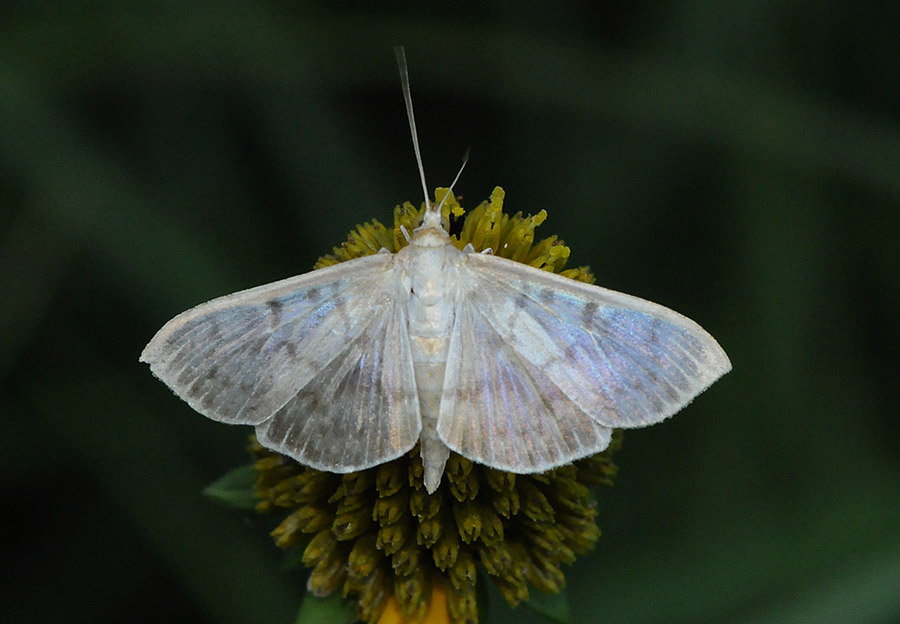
[404, 555]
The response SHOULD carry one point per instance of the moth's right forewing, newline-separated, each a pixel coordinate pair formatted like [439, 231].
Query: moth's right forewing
[240, 358]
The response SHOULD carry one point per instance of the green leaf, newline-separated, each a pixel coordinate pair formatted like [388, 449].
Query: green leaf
[235, 488]
[554, 607]
[331, 610]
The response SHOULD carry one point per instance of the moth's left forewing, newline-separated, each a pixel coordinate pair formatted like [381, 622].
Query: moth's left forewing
[625, 361]
[319, 363]
[239, 358]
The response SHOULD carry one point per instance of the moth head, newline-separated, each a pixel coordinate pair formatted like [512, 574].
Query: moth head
[431, 233]
[431, 220]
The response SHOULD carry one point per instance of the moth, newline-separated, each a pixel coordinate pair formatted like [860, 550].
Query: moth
[349, 366]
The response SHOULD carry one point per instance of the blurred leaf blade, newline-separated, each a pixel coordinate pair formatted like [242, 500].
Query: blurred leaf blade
[235, 488]
[553, 607]
[333, 609]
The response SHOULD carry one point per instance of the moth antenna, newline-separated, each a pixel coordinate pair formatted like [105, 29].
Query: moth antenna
[465, 159]
[407, 98]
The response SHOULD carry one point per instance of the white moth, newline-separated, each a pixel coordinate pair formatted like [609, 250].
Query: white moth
[516, 368]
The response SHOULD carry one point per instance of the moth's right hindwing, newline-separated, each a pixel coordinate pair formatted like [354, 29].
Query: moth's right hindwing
[499, 408]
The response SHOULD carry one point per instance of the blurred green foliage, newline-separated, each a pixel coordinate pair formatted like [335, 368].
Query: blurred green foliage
[737, 161]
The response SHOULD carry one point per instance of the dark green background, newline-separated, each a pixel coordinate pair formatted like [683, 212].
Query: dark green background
[737, 161]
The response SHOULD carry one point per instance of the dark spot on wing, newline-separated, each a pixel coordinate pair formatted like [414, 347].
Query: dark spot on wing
[291, 349]
[275, 308]
[179, 333]
[494, 341]
[654, 329]
[310, 398]
[521, 301]
[185, 376]
[568, 436]
[655, 400]
[213, 372]
[249, 411]
[671, 392]
[313, 294]
[587, 314]
[548, 295]
[193, 391]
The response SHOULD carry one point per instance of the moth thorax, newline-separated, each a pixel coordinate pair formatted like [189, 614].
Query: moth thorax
[429, 236]
[431, 272]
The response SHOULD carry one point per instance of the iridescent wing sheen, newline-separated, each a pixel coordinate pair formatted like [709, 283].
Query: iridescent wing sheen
[536, 357]
[361, 409]
[320, 363]
[499, 409]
